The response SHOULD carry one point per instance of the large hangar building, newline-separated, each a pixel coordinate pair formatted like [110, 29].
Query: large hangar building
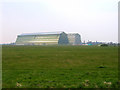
[48, 38]
[74, 38]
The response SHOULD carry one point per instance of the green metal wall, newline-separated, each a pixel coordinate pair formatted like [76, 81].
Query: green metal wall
[37, 39]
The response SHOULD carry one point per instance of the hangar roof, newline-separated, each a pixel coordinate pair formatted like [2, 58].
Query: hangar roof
[72, 33]
[42, 33]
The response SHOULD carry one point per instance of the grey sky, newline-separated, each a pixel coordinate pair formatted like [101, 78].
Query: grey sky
[95, 20]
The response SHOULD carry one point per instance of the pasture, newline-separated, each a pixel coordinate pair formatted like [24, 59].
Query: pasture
[59, 66]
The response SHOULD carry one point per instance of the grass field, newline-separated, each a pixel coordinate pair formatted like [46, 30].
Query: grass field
[60, 67]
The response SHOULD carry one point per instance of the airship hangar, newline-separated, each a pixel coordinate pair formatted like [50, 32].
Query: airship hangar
[48, 38]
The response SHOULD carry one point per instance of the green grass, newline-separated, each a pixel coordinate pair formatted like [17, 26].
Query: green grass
[60, 67]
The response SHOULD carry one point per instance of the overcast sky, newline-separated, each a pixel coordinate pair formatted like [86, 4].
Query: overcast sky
[95, 20]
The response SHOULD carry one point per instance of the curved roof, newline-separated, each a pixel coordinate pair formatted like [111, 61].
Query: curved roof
[42, 33]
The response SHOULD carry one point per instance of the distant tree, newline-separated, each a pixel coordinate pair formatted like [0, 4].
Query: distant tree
[104, 44]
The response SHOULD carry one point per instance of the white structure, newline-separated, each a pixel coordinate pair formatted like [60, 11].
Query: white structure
[74, 38]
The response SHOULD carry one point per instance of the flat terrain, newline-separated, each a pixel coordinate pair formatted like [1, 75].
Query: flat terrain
[60, 67]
